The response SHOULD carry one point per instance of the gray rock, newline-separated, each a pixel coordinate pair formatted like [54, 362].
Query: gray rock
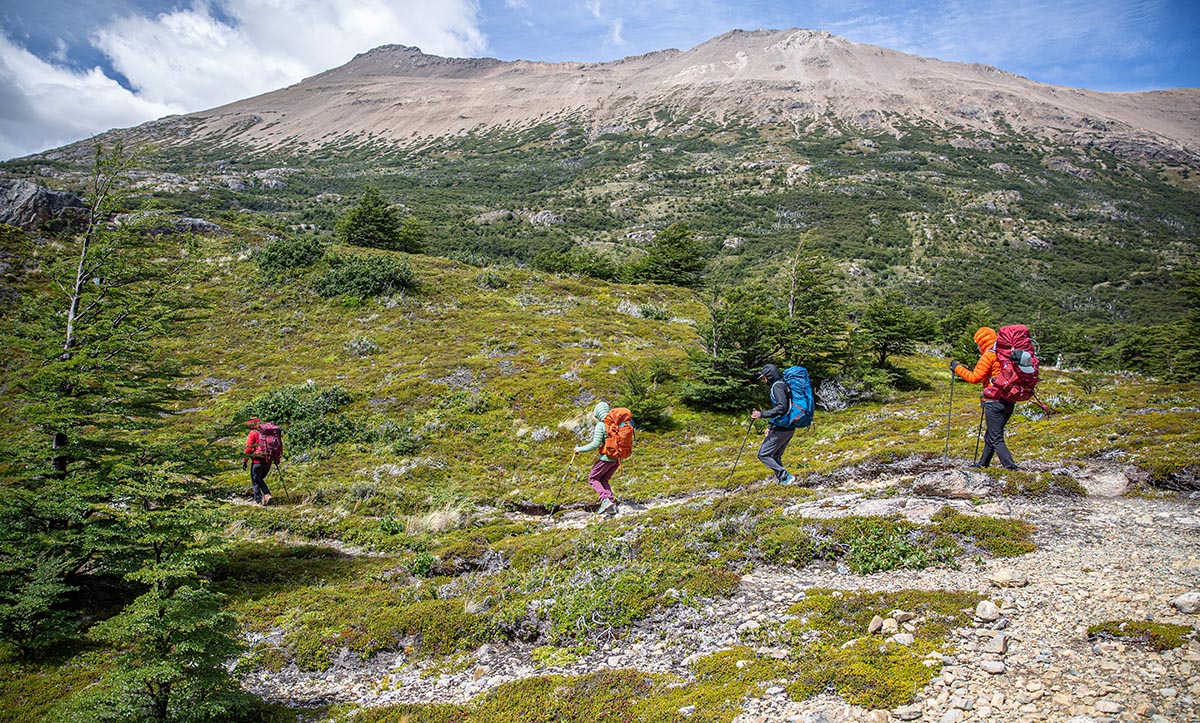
[992, 667]
[1008, 578]
[687, 710]
[909, 712]
[1109, 706]
[32, 207]
[955, 484]
[998, 644]
[987, 611]
[158, 222]
[875, 625]
[1189, 603]
[954, 715]
[905, 639]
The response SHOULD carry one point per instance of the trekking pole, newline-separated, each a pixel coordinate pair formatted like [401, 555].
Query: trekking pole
[739, 454]
[558, 494]
[949, 409]
[282, 485]
[979, 431]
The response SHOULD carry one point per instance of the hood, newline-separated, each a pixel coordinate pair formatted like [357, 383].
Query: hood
[600, 411]
[985, 338]
[771, 372]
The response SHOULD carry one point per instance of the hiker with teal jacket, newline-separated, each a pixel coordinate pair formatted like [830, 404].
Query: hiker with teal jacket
[605, 466]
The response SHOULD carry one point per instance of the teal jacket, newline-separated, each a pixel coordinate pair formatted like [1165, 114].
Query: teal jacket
[599, 433]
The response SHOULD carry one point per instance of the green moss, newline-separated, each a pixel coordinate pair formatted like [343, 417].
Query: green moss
[865, 670]
[1152, 635]
[1039, 484]
[28, 691]
[867, 673]
[721, 682]
[1001, 537]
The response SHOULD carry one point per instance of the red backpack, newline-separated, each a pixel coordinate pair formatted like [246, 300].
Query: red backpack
[618, 428]
[270, 443]
[1019, 365]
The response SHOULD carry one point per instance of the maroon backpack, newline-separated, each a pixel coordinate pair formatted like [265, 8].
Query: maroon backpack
[1019, 365]
[270, 443]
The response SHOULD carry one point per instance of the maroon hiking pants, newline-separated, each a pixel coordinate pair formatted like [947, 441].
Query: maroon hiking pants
[598, 478]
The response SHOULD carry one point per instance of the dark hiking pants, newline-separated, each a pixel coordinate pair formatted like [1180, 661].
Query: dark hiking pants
[995, 416]
[772, 449]
[258, 480]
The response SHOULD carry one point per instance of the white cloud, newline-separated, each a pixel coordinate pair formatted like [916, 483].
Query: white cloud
[43, 105]
[614, 36]
[593, 7]
[195, 58]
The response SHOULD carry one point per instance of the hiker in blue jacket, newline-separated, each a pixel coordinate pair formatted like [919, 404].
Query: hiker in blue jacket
[777, 438]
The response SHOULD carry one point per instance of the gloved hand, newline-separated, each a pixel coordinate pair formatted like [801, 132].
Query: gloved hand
[953, 365]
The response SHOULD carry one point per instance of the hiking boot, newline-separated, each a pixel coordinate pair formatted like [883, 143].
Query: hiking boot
[788, 478]
[266, 500]
[607, 507]
[1011, 466]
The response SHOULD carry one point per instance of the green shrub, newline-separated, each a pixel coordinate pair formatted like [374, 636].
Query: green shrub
[490, 280]
[877, 545]
[575, 261]
[365, 277]
[306, 413]
[283, 256]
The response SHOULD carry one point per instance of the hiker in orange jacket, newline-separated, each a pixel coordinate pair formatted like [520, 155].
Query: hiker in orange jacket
[995, 411]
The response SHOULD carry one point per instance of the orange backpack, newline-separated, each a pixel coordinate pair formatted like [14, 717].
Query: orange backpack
[618, 426]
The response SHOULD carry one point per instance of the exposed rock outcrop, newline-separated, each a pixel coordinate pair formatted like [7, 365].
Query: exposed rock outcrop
[32, 207]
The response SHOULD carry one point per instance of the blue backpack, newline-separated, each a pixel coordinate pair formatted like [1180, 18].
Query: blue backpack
[800, 402]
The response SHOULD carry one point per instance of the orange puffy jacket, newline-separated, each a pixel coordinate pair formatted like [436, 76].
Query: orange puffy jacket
[988, 365]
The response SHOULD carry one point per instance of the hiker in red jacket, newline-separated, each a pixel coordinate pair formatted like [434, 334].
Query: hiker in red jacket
[264, 445]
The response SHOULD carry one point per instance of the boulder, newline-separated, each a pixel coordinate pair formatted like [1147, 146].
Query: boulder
[32, 207]
[953, 484]
[987, 611]
[1007, 577]
[1188, 603]
[158, 222]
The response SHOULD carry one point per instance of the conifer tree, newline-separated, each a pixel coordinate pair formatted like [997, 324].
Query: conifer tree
[675, 256]
[375, 223]
[174, 639]
[95, 488]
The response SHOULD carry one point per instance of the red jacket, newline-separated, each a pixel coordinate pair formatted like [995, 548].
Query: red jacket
[251, 446]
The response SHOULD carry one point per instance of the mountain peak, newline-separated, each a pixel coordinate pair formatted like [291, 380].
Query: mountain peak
[408, 60]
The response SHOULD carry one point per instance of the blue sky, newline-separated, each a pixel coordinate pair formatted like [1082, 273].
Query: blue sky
[73, 68]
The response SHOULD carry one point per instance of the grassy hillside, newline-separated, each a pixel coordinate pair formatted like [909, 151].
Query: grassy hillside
[429, 434]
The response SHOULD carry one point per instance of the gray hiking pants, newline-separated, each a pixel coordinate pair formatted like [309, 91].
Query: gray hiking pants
[995, 416]
[772, 449]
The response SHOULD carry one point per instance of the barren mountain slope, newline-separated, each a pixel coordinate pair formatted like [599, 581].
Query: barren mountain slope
[788, 77]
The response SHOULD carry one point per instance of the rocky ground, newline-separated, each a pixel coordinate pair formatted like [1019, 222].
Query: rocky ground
[1027, 658]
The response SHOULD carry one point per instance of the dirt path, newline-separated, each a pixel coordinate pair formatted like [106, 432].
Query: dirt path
[1099, 558]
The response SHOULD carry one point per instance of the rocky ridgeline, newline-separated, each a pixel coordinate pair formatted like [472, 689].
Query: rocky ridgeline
[1026, 656]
